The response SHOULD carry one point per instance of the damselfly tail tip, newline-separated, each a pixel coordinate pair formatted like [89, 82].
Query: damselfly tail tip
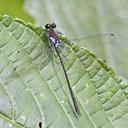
[79, 114]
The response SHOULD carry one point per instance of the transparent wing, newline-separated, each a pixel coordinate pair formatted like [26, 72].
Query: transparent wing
[100, 44]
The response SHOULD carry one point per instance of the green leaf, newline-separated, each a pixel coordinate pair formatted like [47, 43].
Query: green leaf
[33, 88]
[83, 18]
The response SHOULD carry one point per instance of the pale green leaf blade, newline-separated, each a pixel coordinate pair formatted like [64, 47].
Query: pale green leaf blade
[33, 88]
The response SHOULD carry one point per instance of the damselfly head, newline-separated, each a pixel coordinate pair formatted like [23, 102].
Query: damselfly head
[53, 25]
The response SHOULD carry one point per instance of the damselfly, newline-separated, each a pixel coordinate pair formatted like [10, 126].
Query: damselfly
[54, 40]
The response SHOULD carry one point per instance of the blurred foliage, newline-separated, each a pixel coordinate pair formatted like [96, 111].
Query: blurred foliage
[15, 9]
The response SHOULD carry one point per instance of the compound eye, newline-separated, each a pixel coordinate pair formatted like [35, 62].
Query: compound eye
[47, 26]
[53, 25]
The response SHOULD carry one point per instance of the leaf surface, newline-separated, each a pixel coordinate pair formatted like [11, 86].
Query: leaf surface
[33, 88]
